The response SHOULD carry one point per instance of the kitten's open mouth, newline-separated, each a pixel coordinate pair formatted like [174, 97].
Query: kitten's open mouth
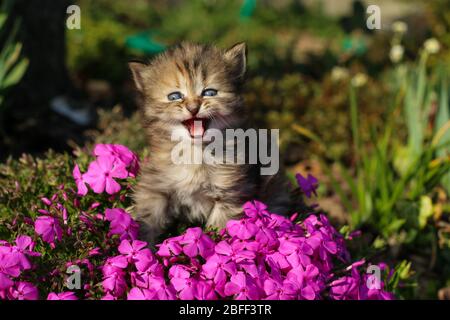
[196, 126]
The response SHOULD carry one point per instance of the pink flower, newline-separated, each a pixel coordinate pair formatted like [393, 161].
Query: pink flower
[170, 247]
[24, 291]
[145, 278]
[262, 256]
[101, 173]
[122, 224]
[242, 287]
[9, 267]
[205, 291]
[140, 294]
[116, 151]
[68, 295]
[195, 242]
[279, 290]
[185, 286]
[235, 251]
[242, 229]
[108, 296]
[114, 265]
[345, 288]
[296, 251]
[115, 283]
[94, 252]
[255, 209]
[137, 253]
[218, 268]
[48, 228]
[267, 237]
[163, 291]
[120, 152]
[46, 201]
[304, 279]
[20, 251]
[79, 181]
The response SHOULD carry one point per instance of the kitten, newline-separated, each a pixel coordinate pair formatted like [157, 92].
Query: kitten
[203, 83]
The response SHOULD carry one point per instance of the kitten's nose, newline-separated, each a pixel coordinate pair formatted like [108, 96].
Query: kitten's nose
[193, 108]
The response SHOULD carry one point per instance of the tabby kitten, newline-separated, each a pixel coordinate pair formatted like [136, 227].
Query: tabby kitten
[202, 83]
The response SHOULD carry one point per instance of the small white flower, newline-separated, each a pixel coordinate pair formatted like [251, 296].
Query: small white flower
[399, 27]
[359, 79]
[339, 73]
[432, 46]
[396, 53]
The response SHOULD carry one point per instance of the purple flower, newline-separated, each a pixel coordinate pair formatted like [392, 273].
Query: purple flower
[308, 184]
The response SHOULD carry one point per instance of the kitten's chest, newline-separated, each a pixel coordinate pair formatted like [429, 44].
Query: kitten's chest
[192, 191]
[192, 184]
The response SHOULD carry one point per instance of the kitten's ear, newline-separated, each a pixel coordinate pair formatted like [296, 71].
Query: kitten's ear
[237, 56]
[137, 69]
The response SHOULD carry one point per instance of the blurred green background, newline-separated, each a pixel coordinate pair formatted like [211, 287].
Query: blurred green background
[366, 111]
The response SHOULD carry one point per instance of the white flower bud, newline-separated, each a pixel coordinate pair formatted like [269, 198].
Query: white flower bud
[339, 73]
[359, 79]
[432, 46]
[399, 27]
[396, 53]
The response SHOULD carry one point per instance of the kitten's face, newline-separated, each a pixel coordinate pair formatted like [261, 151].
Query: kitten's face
[193, 88]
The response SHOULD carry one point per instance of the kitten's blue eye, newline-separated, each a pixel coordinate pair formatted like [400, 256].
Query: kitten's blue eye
[175, 96]
[209, 92]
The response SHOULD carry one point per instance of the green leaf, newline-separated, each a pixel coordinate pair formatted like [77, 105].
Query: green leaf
[443, 117]
[15, 74]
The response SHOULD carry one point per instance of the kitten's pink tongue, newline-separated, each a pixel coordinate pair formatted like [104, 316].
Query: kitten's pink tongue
[196, 127]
